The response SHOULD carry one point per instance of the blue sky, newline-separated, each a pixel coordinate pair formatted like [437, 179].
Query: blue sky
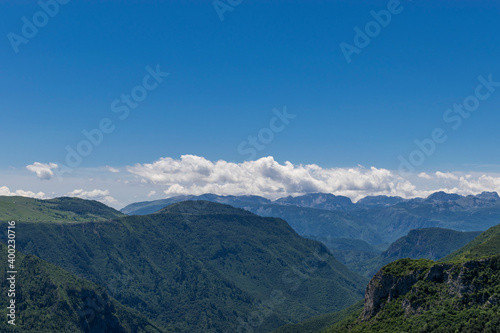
[227, 76]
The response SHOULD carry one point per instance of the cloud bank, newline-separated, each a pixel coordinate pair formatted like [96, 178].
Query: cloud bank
[266, 177]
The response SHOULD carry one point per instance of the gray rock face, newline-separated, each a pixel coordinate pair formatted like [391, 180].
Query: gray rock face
[438, 273]
[383, 288]
[325, 201]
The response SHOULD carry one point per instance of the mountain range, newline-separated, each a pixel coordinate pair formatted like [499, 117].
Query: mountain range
[376, 219]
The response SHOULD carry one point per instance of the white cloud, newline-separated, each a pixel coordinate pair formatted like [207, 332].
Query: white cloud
[99, 195]
[424, 175]
[111, 169]
[42, 170]
[446, 175]
[266, 177]
[150, 194]
[4, 190]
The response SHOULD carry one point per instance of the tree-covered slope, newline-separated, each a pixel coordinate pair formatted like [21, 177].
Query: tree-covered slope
[201, 267]
[428, 243]
[486, 244]
[62, 209]
[49, 299]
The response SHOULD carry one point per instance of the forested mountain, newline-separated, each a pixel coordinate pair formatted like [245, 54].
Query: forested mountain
[200, 266]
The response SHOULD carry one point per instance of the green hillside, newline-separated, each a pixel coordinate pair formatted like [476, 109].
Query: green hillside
[486, 244]
[429, 243]
[62, 209]
[48, 299]
[200, 266]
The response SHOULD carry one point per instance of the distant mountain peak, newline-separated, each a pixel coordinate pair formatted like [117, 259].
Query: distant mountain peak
[379, 201]
[491, 196]
[443, 196]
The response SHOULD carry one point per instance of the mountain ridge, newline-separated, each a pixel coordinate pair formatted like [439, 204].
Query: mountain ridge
[326, 201]
[375, 220]
[62, 209]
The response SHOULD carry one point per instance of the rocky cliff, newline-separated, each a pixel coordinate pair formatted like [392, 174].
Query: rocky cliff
[420, 281]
